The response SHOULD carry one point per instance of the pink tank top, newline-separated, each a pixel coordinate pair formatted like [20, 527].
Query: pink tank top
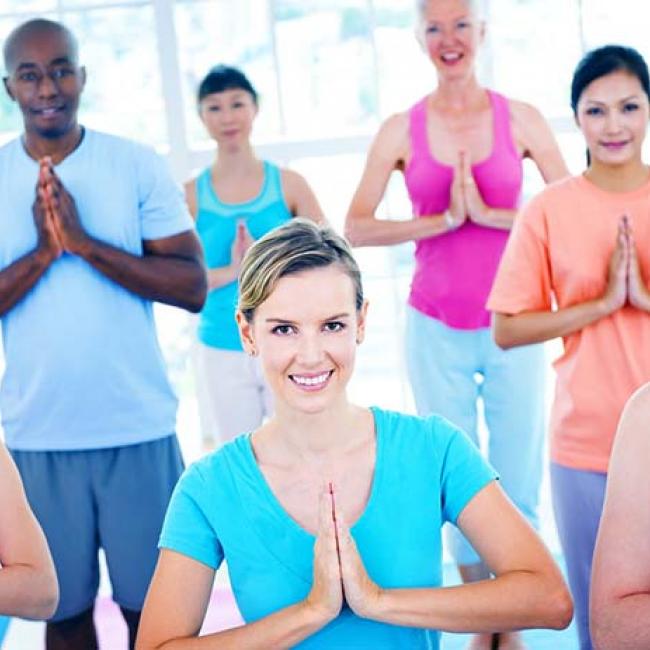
[454, 272]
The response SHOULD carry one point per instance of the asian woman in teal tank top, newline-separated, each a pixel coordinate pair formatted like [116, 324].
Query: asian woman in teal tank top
[460, 149]
[235, 201]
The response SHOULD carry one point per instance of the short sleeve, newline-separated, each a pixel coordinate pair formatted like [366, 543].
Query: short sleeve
[523, 279]
[464, 472]
[162, 207]
[187, 528]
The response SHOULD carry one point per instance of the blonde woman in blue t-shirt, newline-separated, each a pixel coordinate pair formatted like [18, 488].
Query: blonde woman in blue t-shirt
[236, 200]
[329, 514]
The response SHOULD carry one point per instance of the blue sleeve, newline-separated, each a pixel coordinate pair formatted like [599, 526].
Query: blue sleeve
[163, 211]
[464, 471]
[187, 528]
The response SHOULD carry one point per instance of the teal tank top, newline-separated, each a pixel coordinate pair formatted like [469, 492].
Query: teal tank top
[216, 224]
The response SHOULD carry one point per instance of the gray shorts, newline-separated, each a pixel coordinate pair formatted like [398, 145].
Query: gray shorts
[114, 499]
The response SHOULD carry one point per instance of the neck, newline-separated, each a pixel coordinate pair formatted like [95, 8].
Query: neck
[235, 160]
[56, 148]
[308, 436]
[458, 94]
[618, 178]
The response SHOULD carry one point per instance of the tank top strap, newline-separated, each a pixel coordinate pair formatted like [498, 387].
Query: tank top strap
[272, 183]
[502, 122]
[418, 127]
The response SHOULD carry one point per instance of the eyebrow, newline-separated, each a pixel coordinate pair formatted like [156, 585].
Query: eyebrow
[58, 61]
[286, 321]
[625, 99]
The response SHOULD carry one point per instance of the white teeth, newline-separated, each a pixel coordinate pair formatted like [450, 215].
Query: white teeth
[451, 56]
[310, 381]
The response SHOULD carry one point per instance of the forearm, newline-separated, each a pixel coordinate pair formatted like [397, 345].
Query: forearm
[512, 601]
[622, 624]
[169, 279]
[282, 629]
[369, 231]
[27, 591]
[536, 327]
[221, 276]
[20, 277]
[497, 218]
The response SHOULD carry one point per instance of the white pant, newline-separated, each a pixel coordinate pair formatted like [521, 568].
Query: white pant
[232, 394]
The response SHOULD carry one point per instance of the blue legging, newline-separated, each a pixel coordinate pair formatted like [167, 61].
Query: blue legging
[578, 497]
[450, 370]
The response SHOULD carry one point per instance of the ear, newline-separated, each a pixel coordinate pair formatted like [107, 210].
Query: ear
[481, 32]
[82, 76]
[7, 82]
[246, 334]
[361, 322]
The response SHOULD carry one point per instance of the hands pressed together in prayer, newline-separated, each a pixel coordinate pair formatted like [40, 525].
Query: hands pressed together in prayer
[339, 574]
[55, 215]
[466, 200]
[625, 282]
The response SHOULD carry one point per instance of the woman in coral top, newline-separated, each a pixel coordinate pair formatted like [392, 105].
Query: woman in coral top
[460, 149]
[576, 266]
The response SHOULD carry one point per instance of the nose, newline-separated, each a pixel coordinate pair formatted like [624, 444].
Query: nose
[47, 87]
[310, 350]
[612, 122]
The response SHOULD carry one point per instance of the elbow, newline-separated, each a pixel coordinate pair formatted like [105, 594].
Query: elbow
[195, 298]
[502, 333]
[560, 609]
[45, 600]
[351, 234]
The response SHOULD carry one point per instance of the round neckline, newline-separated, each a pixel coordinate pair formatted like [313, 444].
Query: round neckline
[281, 511]
[71, 154]
[243, 204]
[611, 195]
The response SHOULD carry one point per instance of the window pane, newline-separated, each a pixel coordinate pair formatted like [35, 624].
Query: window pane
[624, 22]
[405, 78]
[327, 71]
[123, 92]
[535, 46]
[238, 35]
[22, 6]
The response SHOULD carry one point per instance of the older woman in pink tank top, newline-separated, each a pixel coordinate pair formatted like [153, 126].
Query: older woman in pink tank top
[460, 149]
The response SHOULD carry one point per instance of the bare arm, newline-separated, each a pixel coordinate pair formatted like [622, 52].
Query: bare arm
[300, 197]
[511, 330]
[528, 590]
[386, 154]
[28, 585]
[620, 586]
[170, 622]
[169, 271]
[19, 278]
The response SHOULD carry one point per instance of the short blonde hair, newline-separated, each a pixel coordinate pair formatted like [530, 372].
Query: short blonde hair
[477, 7]
[299, 245]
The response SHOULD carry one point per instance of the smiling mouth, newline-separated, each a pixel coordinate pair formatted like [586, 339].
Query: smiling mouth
[312, 382]
[615, 145]
[451, 57]
[49, 112]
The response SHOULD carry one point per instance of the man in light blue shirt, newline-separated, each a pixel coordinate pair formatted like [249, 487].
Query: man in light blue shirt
[92, 230]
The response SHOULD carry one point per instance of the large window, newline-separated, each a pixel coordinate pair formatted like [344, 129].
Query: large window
[328, 71]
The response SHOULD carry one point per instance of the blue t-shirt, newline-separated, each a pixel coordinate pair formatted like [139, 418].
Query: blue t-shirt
[216, 224]
[83, 365]
[426, 471]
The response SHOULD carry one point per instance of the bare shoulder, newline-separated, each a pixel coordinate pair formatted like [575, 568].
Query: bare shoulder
[291, 179]
[524, 112]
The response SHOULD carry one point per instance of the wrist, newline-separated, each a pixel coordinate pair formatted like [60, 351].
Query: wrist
[44, 254]
[450, 221]
[315, 615]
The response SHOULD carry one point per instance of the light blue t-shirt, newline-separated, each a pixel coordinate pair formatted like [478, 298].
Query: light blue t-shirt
[426, 471]
[83, 365]
[216, 224]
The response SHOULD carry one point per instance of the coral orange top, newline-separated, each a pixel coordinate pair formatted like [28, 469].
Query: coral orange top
[558, 253]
